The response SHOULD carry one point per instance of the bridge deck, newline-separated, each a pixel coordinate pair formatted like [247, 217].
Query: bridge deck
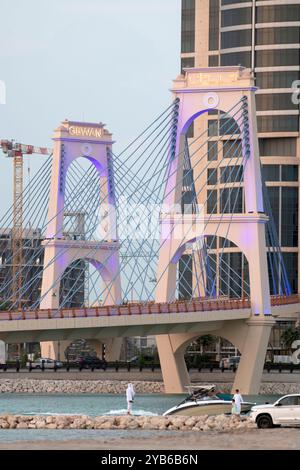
[196, 305]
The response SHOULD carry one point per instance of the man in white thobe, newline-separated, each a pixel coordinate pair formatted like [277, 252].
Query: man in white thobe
[129, 397]
[238, 400]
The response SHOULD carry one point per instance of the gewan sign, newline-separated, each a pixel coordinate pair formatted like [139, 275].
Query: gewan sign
[82, 131]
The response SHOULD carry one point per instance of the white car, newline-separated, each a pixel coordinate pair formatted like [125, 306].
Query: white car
[230, 362]
[48, 364]
[286, 411]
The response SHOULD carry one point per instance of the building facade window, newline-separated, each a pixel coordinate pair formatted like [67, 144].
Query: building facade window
[185, 285]
[291, 265]
[211, 242]
[231, 201]
[187, 62]
[231, 174]
[278, 147]
[232, 149]
[228, 126]
[271, 172]
[213, 127]
[277, 13]
[187, 199]
[280, 173]
[213, 25]
[274, 101]
[273, 193]
[191, 130]
[279, 35]
[232, 2]
[276, 79]
[276, 57]
[230, 279]
[188, 15]
[212, 201]
[289, 217]
[213, 61]
[212, 176]
[188, 178]
[289, 173]
[212, 151]
[278, 123]
[236, 16]
[236, 39]
[237, 58]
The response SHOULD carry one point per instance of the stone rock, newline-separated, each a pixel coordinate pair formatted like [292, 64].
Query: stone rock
[40, 424]
[22, 425]
[4, 425]
[51, 426]
[190, 422]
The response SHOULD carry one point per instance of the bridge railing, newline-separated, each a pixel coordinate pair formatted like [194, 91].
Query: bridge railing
[182, 306]
[196, 305]
[284, 299]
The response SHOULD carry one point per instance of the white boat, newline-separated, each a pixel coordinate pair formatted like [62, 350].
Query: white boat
[204, 400]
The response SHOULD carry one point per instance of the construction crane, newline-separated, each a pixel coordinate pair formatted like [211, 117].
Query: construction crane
[16, 151]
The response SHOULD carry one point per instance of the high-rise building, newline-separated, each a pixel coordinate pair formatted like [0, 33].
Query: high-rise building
[73, 286]
[263, 36]
[73, 283]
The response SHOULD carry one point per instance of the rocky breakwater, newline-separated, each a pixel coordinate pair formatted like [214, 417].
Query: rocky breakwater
[219, 423]
[76, 386]
[118, 386]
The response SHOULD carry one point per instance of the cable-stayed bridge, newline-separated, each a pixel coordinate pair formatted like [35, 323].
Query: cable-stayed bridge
[154, 232]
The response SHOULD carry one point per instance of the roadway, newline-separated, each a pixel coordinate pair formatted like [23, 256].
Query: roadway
[146, 375]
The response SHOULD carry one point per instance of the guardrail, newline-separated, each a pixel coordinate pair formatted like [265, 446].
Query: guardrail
[284, 299]
[130, 309]
[121, 365]
[150, 308]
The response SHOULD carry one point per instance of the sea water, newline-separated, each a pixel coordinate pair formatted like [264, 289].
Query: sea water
[90, 405]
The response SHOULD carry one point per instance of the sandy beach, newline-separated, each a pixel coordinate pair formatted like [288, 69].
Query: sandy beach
[254, 439]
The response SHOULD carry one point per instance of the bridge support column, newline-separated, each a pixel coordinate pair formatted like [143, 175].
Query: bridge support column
[173, 367]
[113, 349]
[250, 369]
[97, 346]
[54, 349]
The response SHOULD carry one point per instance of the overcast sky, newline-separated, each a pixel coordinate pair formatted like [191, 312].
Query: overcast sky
[94, 60]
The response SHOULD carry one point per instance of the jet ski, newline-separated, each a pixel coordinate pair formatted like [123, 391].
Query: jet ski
[204, 400]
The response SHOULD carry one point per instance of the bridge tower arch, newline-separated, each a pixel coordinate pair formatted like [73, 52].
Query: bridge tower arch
[93, 142]
[198, 91]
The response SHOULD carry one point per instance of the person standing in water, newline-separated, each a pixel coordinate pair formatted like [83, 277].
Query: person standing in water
[234, 410]
[129, 397]
[238, 400]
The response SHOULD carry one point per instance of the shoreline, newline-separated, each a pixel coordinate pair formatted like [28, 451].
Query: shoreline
[249, 439]
[141, 433]
[50, 386]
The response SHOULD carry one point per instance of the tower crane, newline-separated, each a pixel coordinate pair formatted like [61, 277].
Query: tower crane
[16, 151]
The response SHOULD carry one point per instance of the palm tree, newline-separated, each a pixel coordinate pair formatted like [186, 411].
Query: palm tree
[205, 341]
[288, 337]
[6, 305]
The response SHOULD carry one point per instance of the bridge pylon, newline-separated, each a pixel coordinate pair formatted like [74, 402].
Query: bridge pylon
[197, 92]
[93, 142]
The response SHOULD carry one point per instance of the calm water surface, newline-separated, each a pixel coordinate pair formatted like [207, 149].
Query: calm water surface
[92, 405]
